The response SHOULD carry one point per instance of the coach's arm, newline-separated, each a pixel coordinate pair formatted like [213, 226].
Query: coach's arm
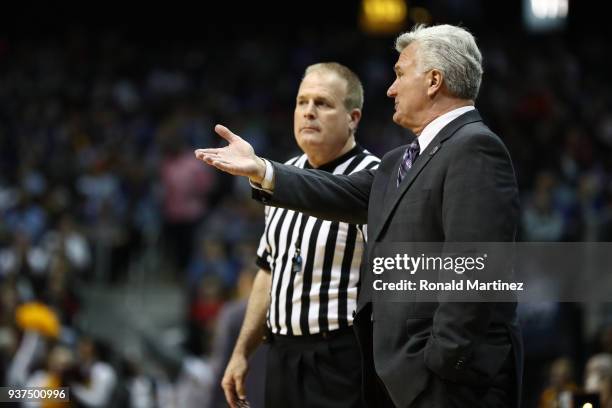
[315, 192]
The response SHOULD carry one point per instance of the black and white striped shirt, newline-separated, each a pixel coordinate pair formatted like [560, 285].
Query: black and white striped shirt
[313, 289]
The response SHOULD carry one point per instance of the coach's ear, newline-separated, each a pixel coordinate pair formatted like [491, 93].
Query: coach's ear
[354, 118]
[435, 79]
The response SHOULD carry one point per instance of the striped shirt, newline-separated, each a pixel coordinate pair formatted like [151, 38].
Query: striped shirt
[314, 263]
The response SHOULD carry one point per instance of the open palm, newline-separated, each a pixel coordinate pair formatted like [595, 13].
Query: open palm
[237, 158]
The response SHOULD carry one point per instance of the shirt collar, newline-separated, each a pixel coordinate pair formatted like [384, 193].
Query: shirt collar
[330, 166]
[435, 126]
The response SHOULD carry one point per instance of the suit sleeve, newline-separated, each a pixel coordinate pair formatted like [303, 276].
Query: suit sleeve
[480, 204]
[320, 194]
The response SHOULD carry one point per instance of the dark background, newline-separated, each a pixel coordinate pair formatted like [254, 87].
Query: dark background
[101, 108]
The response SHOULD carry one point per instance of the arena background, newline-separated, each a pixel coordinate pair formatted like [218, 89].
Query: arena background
[117, 246]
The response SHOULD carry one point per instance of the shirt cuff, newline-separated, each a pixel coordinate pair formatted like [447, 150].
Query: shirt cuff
[267, 184]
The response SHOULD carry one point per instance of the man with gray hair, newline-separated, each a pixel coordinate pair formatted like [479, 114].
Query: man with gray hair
[453, 183]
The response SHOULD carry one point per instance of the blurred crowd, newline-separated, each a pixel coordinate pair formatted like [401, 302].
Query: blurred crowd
[97, 177]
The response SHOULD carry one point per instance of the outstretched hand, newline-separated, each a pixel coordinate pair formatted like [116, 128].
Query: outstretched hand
[237, 158]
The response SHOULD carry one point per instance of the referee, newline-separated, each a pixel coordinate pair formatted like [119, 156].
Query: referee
[305, 292]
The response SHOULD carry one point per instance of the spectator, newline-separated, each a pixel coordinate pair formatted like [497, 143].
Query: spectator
[561, 380]
[598, 378]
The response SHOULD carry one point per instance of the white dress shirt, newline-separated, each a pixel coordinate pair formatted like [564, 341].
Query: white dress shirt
[435, 126]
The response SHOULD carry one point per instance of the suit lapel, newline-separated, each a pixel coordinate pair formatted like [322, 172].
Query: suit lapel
[394, 194]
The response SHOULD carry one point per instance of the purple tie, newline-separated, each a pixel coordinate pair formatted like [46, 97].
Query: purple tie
[410, 155]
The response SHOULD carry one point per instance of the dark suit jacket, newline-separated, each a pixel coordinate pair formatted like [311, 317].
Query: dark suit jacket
[462, 188]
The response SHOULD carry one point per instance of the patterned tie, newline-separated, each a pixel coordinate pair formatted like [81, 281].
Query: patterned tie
[410, 155]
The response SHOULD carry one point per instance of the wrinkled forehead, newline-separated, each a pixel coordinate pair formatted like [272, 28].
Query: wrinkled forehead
[408, 56]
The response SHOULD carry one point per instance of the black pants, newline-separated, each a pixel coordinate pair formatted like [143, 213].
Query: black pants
[319, 371]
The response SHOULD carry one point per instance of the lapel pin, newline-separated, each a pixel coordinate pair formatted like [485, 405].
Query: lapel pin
[435, 149]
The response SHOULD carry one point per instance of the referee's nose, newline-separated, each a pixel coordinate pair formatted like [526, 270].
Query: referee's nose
[309, 110]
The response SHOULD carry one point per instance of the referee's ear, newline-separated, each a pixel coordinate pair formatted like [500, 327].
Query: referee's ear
[354, 118]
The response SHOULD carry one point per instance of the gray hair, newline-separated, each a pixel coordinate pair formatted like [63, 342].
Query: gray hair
[354, 89]
[450, 49]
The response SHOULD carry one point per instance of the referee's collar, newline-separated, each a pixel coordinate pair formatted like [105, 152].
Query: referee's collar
[331, 166]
